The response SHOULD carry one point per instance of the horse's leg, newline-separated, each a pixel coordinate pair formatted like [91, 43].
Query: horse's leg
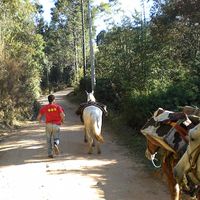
[170, 185]
[177, 192]
[85, 136]
[98, 148]
[93, 144]
[173, 187]
[198, 196]
[90, 151]
[177, 188]
[90, 142]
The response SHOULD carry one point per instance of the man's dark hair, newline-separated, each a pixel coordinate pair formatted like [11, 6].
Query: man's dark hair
[51, 98]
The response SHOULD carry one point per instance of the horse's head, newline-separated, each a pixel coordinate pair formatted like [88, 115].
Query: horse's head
[152, 147]
[160, 133]
[151, 150]
[189, 164]
[90, 96]
[169, 129]
[149, 130]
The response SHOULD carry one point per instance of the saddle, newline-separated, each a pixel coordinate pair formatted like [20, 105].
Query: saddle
[82, 106]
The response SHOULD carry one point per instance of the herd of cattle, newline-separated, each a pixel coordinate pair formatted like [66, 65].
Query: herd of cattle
[177, 135]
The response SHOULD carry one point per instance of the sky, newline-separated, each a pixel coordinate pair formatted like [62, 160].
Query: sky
[47, 5]
[128, 6]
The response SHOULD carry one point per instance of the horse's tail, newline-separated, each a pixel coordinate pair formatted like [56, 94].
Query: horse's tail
[99, 138]
[97, 130]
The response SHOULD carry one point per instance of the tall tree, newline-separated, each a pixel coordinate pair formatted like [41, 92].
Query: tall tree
[64, 43]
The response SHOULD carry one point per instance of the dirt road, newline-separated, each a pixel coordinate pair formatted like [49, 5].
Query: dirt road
[27, 174]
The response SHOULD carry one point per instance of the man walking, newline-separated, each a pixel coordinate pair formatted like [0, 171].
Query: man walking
[54, 117]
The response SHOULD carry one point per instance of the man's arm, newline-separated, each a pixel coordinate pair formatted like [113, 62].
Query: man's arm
[62, 116]
[39, 117]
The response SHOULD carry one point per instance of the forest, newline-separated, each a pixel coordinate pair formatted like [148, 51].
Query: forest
[140, 65]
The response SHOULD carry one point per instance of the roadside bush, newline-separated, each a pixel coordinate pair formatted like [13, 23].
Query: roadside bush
[106, 93]
[138, 108]
[85, 85]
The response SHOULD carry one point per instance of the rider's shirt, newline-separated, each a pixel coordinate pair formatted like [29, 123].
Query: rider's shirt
[52, 113]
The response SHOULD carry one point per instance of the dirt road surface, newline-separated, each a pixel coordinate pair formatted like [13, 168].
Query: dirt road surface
[27, 174]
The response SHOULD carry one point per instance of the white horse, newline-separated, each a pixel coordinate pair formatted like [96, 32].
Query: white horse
[90, 96]
[92, 117]
[187, 170]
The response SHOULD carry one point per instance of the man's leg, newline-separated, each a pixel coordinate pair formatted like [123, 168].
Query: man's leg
[56, 138]
[49, 132]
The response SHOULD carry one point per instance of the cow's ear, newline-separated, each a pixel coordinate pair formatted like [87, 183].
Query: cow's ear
[92, 91]
[86, 92]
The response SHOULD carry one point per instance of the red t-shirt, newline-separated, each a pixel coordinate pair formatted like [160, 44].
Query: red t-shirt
[52, 113]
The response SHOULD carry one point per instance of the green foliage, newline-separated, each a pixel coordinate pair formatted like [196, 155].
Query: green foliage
[85, 84]
[106, 93]
[154, 64]
[138, 108]
[64, 43]
[20, 60]
[139, 66]
[124, 57]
